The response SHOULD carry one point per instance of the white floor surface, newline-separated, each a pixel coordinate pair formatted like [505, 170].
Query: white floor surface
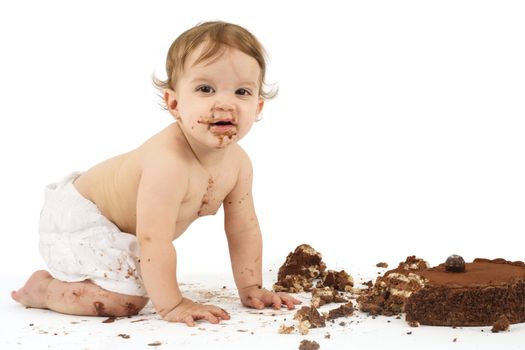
[24, 328]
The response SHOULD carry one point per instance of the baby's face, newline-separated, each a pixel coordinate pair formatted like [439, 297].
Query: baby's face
[218, 100]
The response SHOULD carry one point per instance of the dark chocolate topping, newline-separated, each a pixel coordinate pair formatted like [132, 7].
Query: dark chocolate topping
[480, 272]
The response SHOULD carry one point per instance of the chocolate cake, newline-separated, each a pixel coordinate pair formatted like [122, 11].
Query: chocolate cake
[301, 267]
[451, 294]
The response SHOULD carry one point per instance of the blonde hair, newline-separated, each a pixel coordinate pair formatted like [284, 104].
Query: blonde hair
[217, 36]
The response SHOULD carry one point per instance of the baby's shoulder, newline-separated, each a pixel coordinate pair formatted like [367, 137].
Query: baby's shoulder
[160, 154]
[239, 159]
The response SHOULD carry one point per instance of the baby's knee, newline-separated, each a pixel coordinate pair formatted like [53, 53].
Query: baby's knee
[132, 305]
[119, 305]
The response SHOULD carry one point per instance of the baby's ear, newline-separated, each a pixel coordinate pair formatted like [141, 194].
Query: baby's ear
[170, 99]
[260, 106]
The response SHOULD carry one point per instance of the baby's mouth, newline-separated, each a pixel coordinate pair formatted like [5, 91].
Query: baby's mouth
[222, 123]
[219, 124]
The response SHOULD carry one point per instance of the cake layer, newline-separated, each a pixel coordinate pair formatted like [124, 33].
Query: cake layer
[486, 291]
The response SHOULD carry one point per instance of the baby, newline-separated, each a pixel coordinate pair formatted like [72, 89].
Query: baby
[106, 234]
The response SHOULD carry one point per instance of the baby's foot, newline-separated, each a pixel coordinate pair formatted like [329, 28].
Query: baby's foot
[33, 293]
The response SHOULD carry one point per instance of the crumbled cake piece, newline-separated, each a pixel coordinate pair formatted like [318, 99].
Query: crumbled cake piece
[502, 324]
[344, 310]
[341, 280]
[304, 327]
[413, 263]
[311, 315]
[299, 270]
[304, 261]
[382, 264]
[389, 293]
[326, 295]
[293, 284]
[369, 284]
[284, 329]
[308, 345]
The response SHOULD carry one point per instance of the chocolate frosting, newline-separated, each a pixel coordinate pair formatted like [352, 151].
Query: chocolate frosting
[480, 272]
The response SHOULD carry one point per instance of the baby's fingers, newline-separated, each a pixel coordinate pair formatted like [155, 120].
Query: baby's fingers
[272, 299]
[276, 302]
[190, 322]
[208, 316]
[289, 300]
[220, 313]
[255, 303]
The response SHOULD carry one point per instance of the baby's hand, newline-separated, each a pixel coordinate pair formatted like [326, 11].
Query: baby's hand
[188, 312]
[258, 298]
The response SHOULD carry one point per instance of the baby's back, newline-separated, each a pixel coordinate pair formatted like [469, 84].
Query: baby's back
[112, 185]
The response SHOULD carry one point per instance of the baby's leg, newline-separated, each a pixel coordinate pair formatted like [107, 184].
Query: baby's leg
[76, 298]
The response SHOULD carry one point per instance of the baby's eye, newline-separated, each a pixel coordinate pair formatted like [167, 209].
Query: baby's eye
[243, 92]
[205, 89]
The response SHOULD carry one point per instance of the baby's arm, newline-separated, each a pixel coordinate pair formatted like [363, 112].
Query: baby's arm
[245, 244]
[161, 190]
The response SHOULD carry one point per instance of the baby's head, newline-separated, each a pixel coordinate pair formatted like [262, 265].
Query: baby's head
[217, 37]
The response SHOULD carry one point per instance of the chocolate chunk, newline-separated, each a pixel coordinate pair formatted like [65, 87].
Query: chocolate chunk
[308, 345]
[455, 263]
[502, 324]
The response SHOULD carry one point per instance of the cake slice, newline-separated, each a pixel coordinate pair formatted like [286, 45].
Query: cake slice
[450, 294]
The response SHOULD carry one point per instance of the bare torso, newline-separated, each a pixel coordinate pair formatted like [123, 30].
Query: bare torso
[113, 184]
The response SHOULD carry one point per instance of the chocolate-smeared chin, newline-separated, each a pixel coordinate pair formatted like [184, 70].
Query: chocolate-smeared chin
[223, 128]
[223, 132]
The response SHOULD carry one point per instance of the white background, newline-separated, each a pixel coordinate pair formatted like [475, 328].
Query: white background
[398, 129]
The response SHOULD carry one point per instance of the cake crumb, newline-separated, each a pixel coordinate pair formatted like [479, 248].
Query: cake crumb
[342, 311]
[304, 327]
[502, 324]
[382, 264]
[109, 319]
[311, 315]
[326, 295]
[124, 336]
[413, 324]
[308, 345]
[155, 343]
[284, 329]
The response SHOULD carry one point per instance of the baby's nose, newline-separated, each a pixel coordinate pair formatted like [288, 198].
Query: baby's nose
[223, 107]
